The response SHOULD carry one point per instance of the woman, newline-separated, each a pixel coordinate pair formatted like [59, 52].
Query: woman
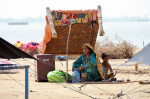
[89, 65]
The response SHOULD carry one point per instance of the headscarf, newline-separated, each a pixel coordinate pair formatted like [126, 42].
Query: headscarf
[99, 65]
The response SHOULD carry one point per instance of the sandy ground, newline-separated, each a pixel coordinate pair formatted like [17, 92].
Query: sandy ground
[9, 89]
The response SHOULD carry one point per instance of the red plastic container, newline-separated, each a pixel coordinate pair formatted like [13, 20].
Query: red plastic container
[45, 65]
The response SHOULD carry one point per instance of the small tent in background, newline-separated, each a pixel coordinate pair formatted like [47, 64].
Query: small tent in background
[9, 51]
[143, 56]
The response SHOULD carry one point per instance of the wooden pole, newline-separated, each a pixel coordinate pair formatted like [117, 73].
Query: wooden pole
[101, 31]
[67, 49]
[50, 20]
[136, 67]
[26, 83]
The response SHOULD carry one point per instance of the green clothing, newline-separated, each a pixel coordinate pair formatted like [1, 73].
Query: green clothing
[90, 66]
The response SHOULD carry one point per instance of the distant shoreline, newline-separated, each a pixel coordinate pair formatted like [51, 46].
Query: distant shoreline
[126, 20]
[26, 23]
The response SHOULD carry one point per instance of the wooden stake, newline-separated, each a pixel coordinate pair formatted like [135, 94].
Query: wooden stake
[144, 82]
[136, 67]
[67, 50]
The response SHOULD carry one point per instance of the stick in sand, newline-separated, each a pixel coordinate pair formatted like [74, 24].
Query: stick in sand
[144, 82]
[54, 34]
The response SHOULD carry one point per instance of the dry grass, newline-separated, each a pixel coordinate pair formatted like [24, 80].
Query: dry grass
[120, 50]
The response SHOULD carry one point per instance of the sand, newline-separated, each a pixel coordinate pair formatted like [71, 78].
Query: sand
[9, 89]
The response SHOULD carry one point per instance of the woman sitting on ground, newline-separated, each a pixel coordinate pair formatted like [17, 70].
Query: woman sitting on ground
[89, 65]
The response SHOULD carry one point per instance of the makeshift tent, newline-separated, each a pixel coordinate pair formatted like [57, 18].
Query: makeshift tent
[143, 56]
[67, 30]
[84, 29]
[9, 51]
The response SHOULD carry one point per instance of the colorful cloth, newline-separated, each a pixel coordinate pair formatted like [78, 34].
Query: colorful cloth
[64, 17]
[92, 65]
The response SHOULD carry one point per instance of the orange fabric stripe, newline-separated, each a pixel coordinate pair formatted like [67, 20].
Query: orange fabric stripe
[47, 35]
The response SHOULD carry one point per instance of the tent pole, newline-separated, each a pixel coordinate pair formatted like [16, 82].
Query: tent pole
[26, 76]
[26, 83]
[67, 49]
[101, 31]
[50, 20]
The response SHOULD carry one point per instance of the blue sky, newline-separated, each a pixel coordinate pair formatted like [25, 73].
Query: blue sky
[110, 8]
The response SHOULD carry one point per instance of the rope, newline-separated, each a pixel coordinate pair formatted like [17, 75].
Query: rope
[132, 83]
[81, 85]
[42, 75]
[65, 86]
[139, 90]
[97, 87]
[136, 87]
[15, 80]
[73, 86]
[84, 84]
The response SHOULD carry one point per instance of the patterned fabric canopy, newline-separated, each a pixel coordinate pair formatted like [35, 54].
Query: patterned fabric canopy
[84, 30]
[64, 17]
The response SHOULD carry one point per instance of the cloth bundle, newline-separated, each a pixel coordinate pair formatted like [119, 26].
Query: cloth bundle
[29, 47]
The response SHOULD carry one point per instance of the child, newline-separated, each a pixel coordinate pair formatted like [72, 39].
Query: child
[87, 64]
[106, 65]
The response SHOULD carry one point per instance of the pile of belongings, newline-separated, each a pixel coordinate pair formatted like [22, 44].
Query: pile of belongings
[57, 76]
[9, 71]
[61, 58]
[29, 47]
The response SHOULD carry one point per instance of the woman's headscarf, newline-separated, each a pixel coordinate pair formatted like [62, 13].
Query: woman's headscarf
[99, 65]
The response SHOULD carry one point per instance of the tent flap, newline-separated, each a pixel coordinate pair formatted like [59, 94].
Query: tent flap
[9, 51]
[143, 56]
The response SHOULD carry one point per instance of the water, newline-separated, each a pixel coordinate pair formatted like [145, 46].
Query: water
[134, 32]
[75, 76]
[13, 33]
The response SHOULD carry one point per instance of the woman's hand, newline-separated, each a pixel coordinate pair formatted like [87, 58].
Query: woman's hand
[84, 76]
[82, 67]
[79, 69]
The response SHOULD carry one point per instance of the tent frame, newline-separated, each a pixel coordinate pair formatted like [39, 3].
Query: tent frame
[26, 67]
[53, 30]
